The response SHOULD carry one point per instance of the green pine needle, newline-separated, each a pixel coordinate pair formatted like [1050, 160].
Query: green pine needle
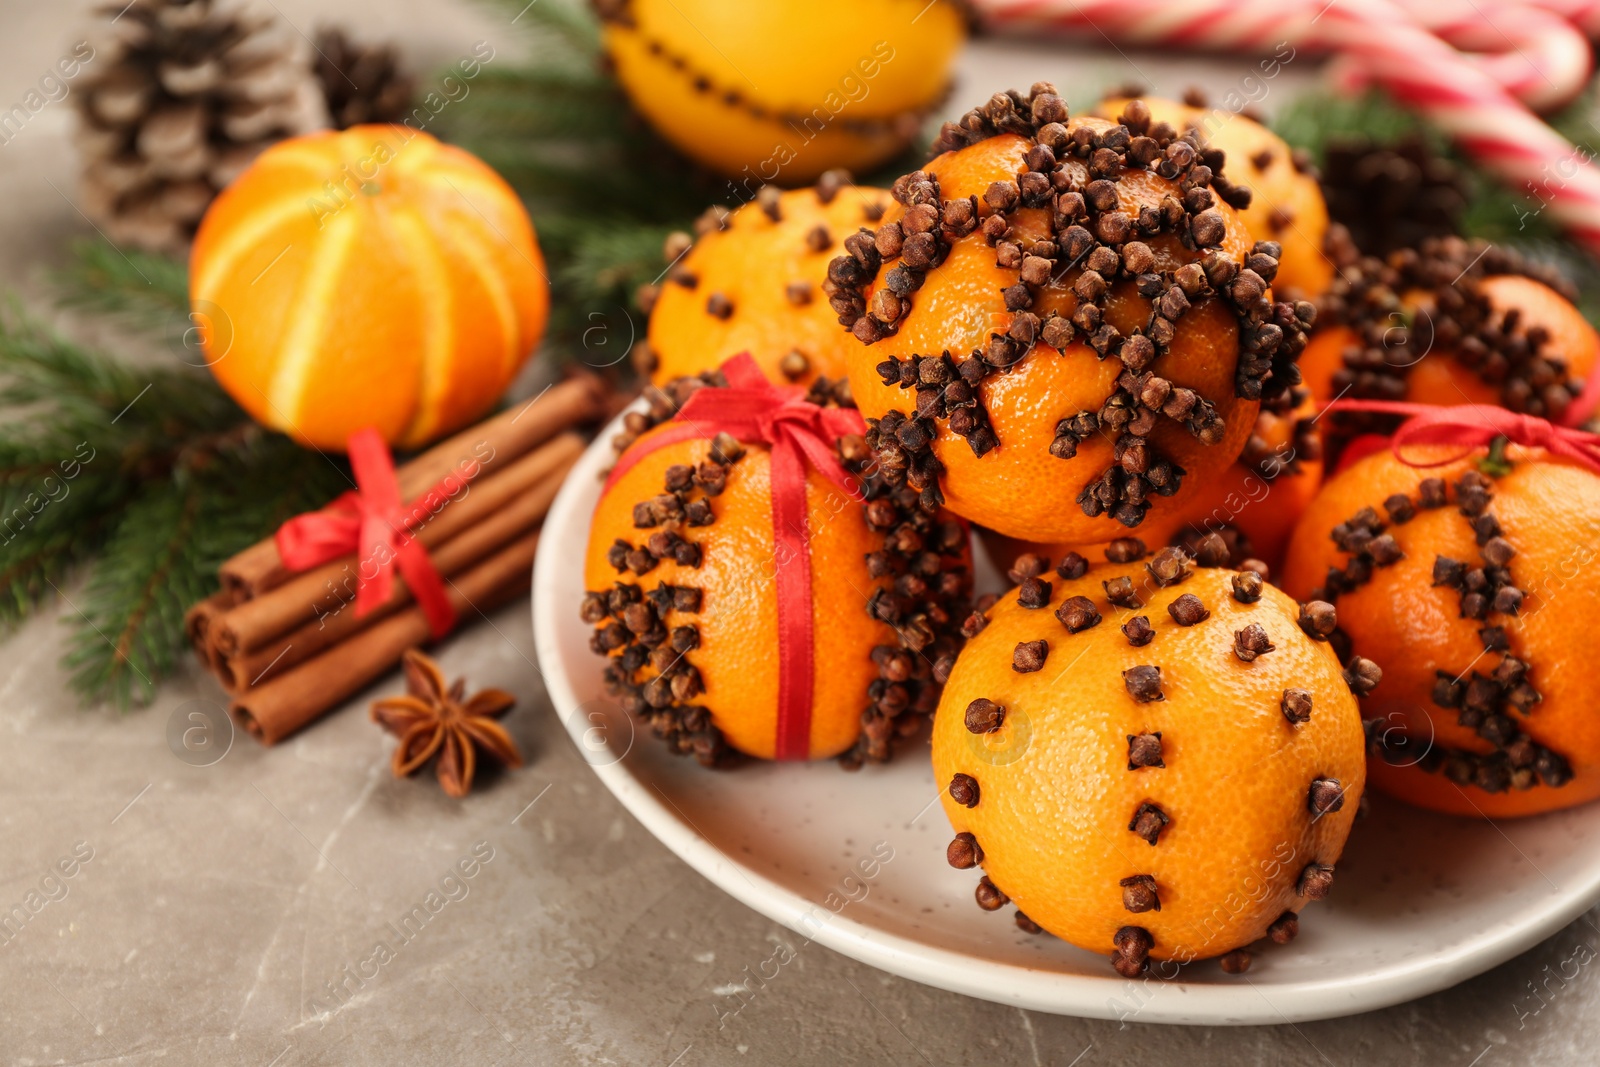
[151, 475]
[165, 550]
[150, 290]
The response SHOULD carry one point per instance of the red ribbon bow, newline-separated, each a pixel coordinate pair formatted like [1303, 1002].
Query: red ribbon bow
[373, 522]
[755, 411]
[1472, 426]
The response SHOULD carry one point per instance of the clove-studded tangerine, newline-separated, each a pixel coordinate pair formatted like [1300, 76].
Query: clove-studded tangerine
[1452, 322]
[1064, 324]
[1154, 800]
[764, 92]
[751, 281]
[682, 584]
[1472, 585]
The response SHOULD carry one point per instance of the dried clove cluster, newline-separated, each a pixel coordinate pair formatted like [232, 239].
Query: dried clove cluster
[1378, 298]
[1490, 704]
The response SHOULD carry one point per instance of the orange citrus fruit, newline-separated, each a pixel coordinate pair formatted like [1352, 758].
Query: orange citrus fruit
[1065, 326]
[1452, 323]
[1253, 505]
[1165, 770]
[1469, 584]
[776, 92]
[372, 277]
[755, 285]
[681, 572]
[1286, 205]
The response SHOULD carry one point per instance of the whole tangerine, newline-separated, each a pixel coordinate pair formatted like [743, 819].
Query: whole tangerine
[1156, 760]
[1469, 584]
[369, 277]
[783, 91]
[680, 573]
[752, 282]
[1065, 324]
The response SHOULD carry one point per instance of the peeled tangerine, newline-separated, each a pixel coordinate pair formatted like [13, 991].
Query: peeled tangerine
[1472, 586]
[781, 90]
[1454, 322]
[1066, 327]
[1287, 205]
[680, 568]
[752, 283]
[1151, 760]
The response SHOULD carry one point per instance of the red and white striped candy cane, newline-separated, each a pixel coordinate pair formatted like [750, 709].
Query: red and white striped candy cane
[1424, 73]
[1584, 14]
[1538, 56]
[1416, 67]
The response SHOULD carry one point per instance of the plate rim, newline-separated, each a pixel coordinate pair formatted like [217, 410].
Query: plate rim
[957, 972]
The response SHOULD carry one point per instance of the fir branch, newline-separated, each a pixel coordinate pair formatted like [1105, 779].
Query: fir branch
[37, 556]
[149, 290]
[602, 266]
[1313, 119]
[38, 367]
[554, 29]
[143, 582]
[150, 471]
[164, 554]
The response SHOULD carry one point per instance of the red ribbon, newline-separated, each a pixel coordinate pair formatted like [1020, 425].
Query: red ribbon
[796, 432]
[373, 522]
[1473, 426]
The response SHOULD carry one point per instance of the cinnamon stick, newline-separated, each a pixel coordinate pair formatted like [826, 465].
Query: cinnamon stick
[322, 591]
[250, 667]
[198, 621]
[274, 710]
[473, 453]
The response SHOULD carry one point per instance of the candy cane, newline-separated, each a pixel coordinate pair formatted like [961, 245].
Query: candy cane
[1538, 56]
[1584, 14]
[1420, 70]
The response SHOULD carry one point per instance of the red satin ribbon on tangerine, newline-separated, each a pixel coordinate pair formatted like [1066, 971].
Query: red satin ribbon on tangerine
[796, 432]
[373, 522]
[1471, 426]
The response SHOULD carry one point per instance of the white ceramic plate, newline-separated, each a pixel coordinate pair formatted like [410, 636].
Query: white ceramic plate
[856, 862]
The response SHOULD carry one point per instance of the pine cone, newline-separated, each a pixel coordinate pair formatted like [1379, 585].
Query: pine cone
[185, 95]
[1391, 196]
[361, 83]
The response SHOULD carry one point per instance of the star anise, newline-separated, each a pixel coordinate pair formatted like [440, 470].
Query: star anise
[432, 718]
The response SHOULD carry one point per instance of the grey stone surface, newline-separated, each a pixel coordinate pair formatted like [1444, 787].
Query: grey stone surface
[212, 908]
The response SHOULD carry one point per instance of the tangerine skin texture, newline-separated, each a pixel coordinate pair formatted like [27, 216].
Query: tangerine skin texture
[738, 617]
[833, 61]
[1264, 511]
[407, 301]
[1438, 378]
[1020, 489]
[1281, 190]
[1549, 509]
[1056, 795]
[752, 263]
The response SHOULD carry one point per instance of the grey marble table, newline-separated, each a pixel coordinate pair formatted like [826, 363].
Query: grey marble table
[214, 909]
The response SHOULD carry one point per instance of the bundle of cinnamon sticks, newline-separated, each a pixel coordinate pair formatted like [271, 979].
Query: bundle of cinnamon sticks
[288, 646]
